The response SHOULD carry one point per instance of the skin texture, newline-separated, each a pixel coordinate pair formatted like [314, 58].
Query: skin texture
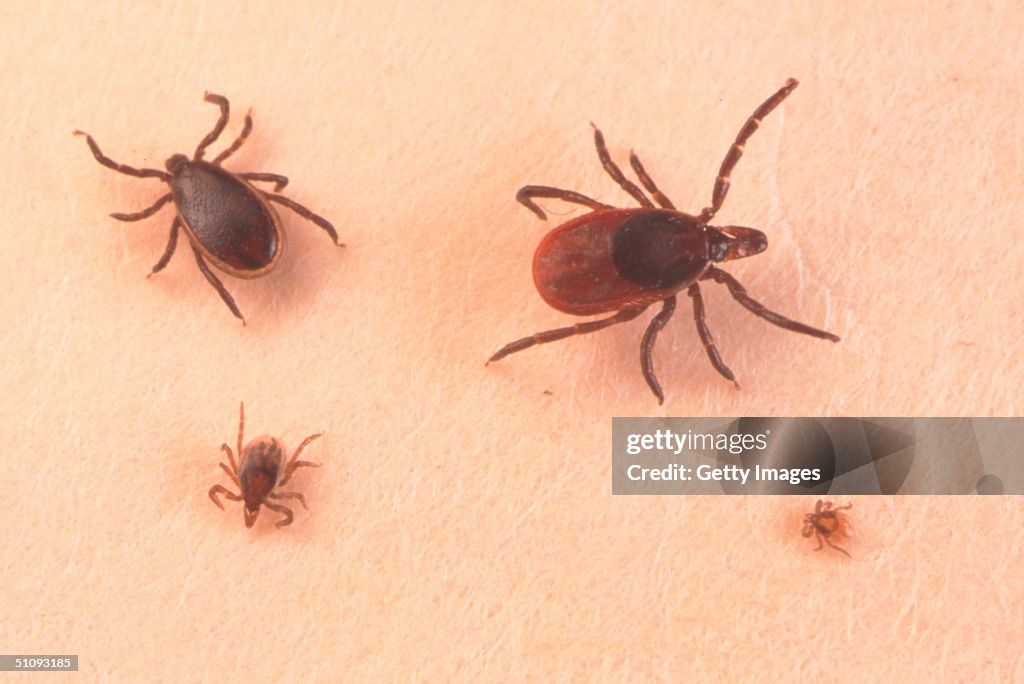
[461, 527]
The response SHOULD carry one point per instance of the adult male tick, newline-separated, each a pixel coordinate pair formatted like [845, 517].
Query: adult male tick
[262, 469]
[228, 221]
[625, 260]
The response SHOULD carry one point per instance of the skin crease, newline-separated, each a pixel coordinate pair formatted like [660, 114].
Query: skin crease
[463, 509]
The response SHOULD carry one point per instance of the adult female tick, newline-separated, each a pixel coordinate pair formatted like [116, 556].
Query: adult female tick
[625, 260]
[263, 468]
[228, 221]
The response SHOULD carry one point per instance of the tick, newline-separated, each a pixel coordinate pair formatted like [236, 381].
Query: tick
[825, 523]
[229, 222]
[262, 469]
[625, 260]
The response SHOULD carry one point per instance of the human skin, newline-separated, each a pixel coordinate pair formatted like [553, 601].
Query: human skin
[461, 526]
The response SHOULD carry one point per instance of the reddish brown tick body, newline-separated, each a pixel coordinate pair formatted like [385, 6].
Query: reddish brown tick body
[827, 523]
[625, 260]
[228, 221]
[263, 468]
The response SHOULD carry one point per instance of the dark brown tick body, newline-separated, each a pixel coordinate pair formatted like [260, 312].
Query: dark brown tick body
[264, 467]
[228, 221]
[827, 523]
[625, 260]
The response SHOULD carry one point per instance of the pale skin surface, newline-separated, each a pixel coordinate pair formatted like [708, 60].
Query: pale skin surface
[461, 527]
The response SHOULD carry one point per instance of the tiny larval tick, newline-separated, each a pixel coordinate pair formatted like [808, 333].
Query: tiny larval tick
[625, 260]
[827, 523]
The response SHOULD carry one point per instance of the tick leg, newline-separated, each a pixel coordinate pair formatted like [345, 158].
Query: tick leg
[279, 181]
[736, 151]
[562, 333]
[246, 130]
[739, 293]
[121, 168]
[290, 469]
[286, 512]
[648, 182]
[668, 308]
[221, 489]
[528, 192]
[241, 427]
[296, 463]
[231, 458]
[225, 111]
[145, 213]
[705, 335]
[305, 442]
[837, 548]
[217, 285]
[306, 214]
[234, 478]
[614, 171]
[172, 243]
[290, 495]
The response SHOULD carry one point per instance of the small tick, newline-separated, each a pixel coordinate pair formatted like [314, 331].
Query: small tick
[625, 260]
[827, 522]
[262, 470]
[228, 221]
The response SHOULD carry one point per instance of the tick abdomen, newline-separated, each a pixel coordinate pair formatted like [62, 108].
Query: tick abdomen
[259, 470]
[586, 266]
[227, 216]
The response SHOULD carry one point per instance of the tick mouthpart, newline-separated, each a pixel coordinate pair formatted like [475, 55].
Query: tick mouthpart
[176, 163]
[735, 242]
[250, 516]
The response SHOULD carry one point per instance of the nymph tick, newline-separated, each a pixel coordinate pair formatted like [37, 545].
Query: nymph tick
[625, 260]
[228, 221]
[262, 470]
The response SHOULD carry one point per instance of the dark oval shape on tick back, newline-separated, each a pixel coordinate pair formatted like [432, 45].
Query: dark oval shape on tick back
[239, 231]
[228, 221]
[625, 260]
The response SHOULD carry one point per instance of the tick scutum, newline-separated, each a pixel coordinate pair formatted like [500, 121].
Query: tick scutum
[660, 250]
[235, 226]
